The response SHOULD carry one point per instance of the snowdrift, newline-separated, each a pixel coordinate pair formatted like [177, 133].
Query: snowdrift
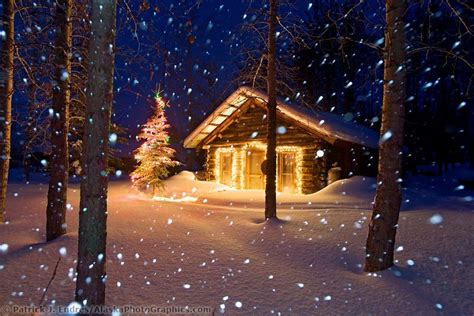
[184, 187]
[356, 191]
[352, 190]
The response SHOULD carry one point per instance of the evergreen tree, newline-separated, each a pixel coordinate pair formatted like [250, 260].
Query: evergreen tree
[154, 156]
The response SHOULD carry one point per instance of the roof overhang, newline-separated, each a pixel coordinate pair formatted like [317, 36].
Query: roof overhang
[221, 114]
[328, 126]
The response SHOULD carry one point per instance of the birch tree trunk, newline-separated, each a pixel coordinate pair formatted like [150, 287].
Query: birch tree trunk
[6, 94]
[58, 181]
[91, 275]
[384, 221]
[270, 185]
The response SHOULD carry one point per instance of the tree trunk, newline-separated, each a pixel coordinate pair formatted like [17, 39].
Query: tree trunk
[6, 93]
[58, 181]
[383, 224]
[91, 276]
[270, 185]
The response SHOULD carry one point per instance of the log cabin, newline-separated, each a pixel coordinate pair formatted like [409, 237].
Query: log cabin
[313, 148]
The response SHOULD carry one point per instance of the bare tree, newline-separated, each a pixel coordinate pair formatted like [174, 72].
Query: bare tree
[270, 185]
[253, 54]
[33, 50]
[31, 87]
[6, 94]
[36, 53]
[91, 276]
[58, 181]
[384, 221]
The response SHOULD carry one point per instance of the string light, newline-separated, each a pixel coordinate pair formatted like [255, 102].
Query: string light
[239, 159]
[217, 167]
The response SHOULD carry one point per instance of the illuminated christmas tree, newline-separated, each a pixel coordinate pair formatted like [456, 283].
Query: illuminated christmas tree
[154, 156]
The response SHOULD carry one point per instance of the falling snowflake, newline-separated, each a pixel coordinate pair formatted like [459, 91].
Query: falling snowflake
[3, 248]
[436, 219]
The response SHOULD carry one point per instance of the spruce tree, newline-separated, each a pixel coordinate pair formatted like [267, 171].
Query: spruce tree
[154, 156]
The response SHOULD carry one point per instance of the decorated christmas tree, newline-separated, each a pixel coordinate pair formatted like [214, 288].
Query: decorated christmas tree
[154, 156]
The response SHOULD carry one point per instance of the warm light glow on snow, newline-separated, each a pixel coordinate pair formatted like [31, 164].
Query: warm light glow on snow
[177, 200]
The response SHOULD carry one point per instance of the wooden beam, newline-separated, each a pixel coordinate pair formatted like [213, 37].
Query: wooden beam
[303, 144]
[227, 122]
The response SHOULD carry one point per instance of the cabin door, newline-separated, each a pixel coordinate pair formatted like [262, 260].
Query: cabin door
[286, 172]
[255, 179]
[225, 175]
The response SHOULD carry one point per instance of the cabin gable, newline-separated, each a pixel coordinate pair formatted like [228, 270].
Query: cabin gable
[251, 125]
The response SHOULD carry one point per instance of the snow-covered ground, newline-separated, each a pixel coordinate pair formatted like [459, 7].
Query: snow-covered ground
[210, 247]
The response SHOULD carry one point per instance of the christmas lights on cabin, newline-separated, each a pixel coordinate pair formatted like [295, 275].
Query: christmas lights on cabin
[239, 156]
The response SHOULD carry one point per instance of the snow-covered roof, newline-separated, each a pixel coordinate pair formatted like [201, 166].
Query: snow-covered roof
[322, 123]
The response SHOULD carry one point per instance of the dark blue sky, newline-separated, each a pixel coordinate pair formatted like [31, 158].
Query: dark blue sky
[191, 50]
[162, 38]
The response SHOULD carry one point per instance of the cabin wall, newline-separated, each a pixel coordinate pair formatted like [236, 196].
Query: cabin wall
[312, 170]
[251, 126]
[211, 164]
[249, 131]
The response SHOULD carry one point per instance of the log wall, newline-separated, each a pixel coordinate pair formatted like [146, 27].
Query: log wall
[250, 128]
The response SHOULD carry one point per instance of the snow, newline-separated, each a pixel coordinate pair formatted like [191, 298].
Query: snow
[219, 252]
[184, 187]
[356, 191]
[331, 125]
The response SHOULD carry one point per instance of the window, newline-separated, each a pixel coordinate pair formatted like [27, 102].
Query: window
[254, 175]
[286, 172]
[225, 175]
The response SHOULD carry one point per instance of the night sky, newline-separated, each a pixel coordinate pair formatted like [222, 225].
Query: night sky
[154, 40]
[216, 26]
[153, 43]
[192, 52]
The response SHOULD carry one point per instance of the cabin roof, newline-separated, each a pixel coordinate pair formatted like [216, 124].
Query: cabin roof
[326, 124]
